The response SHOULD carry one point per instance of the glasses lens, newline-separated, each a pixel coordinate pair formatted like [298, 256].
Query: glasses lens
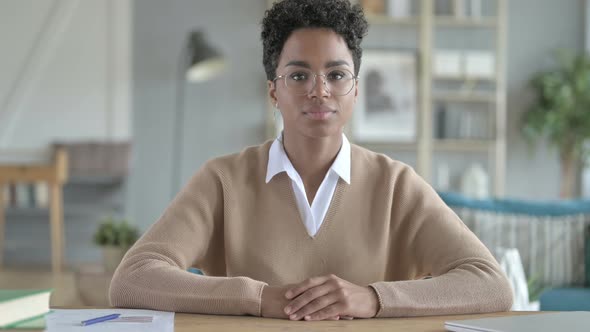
[338, 81]
[299, 81]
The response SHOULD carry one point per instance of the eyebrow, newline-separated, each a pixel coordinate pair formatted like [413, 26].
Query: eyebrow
[329, 64]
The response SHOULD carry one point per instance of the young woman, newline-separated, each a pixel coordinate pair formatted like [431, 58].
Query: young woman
[309, 226]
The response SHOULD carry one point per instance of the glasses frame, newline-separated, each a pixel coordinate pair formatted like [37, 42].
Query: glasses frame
[315, 76]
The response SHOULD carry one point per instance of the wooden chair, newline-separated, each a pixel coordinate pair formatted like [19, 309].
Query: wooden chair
[55, 174]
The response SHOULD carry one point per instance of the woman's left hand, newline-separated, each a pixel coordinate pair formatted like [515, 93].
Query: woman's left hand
[322, 297]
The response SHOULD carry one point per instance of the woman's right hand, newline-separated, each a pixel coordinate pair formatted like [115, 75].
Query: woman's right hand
[274, 302]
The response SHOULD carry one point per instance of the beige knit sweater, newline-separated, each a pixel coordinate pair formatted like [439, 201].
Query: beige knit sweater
[387, 229]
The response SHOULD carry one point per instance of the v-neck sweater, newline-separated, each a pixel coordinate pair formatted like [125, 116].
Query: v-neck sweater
[388, 230]
[312, 214]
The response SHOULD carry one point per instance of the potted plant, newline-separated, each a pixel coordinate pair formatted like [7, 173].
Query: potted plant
[561, 113]
[115, 237]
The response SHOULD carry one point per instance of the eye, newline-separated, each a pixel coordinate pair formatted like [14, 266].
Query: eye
[336, 75]
[299, 76]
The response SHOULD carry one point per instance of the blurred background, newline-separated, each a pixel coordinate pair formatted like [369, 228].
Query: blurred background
[107, 107]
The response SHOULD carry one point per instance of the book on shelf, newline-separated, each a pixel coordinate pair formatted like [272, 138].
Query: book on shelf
[22, 195]
[26, 195]
[12, 194]
[41, 195]
[373, 7]
[19, 308]
[5, 195]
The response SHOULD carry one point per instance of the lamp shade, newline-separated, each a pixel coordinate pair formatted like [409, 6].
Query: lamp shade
[204, 61]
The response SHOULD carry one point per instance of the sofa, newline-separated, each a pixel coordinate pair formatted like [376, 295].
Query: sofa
[552, 238]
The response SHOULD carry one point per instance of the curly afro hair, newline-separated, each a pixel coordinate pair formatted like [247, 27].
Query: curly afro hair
[288, 15]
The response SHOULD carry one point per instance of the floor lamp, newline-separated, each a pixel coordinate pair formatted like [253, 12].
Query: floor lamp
[198, 62]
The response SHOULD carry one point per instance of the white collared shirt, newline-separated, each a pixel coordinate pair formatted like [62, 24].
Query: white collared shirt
[312, 215]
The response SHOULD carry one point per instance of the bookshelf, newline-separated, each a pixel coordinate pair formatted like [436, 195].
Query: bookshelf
[486, 92]
[454, 22]
[468, 93]
[55, 174]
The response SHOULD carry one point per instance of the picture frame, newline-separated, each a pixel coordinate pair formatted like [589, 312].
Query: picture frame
[387, 105]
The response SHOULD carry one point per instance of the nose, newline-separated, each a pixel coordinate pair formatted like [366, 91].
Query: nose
[321, 89]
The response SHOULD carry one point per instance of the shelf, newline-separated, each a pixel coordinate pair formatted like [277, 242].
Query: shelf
[458, 145]
[26, 212]
[388, 20]
[467, 97]
[465, 78]
[70, 210]
[390, 146]
[463, 145]
[452, 21]
[98, 180]
[442, 21]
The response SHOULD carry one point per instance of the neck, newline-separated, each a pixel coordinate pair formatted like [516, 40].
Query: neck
[311, 157]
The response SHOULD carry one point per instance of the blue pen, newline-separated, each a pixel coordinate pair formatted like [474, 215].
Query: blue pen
[100, 319]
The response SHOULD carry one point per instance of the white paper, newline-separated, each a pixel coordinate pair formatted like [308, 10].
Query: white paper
[69, 320]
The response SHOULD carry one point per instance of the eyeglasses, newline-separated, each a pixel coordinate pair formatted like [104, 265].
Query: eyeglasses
[338, 82]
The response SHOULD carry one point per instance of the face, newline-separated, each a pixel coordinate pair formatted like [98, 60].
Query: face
[317, 113]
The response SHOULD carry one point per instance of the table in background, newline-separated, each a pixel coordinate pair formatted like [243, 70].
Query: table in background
[55, 174]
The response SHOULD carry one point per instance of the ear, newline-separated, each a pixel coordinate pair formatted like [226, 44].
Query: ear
[272, 92]
[356, 90]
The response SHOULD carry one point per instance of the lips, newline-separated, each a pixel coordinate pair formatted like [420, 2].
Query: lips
[319, 112]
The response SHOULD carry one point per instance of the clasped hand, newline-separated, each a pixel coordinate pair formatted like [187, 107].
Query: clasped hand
[320, 298]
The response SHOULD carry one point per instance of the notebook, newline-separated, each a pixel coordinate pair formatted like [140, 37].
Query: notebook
[36, 323]
[573, 321]
[18, 306]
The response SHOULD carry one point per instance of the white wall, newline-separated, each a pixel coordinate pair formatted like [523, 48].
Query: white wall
[222, 115]
[64, 71]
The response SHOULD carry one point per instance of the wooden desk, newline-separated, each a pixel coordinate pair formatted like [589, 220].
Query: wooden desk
[195, 323]
[191, 323]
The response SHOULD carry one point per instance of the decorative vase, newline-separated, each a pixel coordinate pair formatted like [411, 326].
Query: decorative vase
[112, 256]
[474, 183]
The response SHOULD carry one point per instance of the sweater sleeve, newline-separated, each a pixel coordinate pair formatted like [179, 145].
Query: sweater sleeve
[153, 273]
[465, 276]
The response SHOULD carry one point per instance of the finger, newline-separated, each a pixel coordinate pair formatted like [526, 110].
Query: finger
[314, 306]
[308, 296]
[296, 290]
[334, 318]
[329, 311]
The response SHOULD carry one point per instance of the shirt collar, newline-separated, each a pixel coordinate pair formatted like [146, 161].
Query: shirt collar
[342, 163]
[279, 162]
[275, 159]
